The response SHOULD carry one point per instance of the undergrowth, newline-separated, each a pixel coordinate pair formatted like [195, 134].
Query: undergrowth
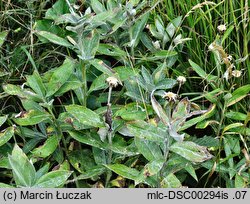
[124, 93]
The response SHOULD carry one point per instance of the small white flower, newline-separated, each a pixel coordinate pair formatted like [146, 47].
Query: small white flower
[230, 58]
[132, 12]
[222, 28]
[236, 73]
[226, 75]
[112, 81]
[75, 6]
[156, 44]
[211, 47]
[181, 79]
[170, 96]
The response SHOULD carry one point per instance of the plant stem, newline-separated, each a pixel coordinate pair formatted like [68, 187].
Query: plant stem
[84, 81]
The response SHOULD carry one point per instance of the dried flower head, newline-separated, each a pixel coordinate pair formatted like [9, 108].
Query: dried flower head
[211, 47]
[226, 75]
[170, 96]
[230, 58]
[198, 6]
[112, 81]
[222, 28]
[181, 79]
[156, 44]
[236, 73]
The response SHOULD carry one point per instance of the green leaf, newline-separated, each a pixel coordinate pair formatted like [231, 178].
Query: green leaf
[99, 83]
[204, 124]
[111, 50]
[31, 117]
[173, 26]
[84, 115]
[87, 139]
[23, 170]
[236, 115]
[97, 6]
[3, 119]
[47, 148]
[147, 42]
[92, 172]
[21, 93]
[54, 38]
[201, 72]
[230, 160]
[238, 95]
[120, 147]
[208, 141]
[191, 151]
[53, 179]
[3, 35]
[71, 84]
[99, 156]
[58, 9]
[4, 162]
[181, 110]
[147, 131]
[60, 76]
[210, 112]
[231, 126]
[170, 181]
[6, 135]
[132, 111]
[4, 185]
[166, 84]
[136, 30]
[227, 33]
[147, 76]
[152, 168]
[190, 169]
[124, 171]
[239, 181]
[48, 25]
[68, 122]
[101, 66]
[81, 160]
[42, 171]
[162, 54]
[13, 90]
[89, 46]
[35, 82]
[150, 150]
[159, 110]
[234, 143]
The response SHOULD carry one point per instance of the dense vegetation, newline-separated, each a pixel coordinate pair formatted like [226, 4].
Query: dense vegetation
[124, 93]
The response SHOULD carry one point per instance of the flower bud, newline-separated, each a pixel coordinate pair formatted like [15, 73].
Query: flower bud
[222, 28]
[181, 79]
[170, 96]
[156, 44]
[236, 73]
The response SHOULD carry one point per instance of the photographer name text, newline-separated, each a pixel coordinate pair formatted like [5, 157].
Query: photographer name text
[45, 195]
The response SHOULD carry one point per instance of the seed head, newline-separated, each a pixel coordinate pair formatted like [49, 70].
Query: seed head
[170, 96]
[236, 73]
[181, 79]
[222, 28]
[156, 44]
[211, 47]
[112, 81]
[230, 58]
